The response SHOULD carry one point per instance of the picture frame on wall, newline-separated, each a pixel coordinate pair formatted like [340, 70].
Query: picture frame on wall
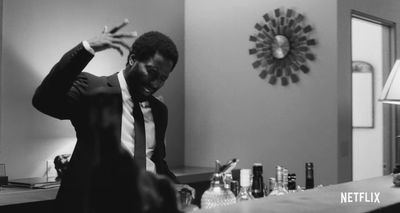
[363, 94]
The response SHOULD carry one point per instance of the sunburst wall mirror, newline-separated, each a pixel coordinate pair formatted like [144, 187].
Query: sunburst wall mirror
[282, 46]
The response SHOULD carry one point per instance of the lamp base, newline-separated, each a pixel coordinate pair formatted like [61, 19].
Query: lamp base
[3, 180]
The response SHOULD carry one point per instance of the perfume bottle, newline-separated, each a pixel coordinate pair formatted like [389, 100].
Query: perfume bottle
[244, 193]
[279, 189]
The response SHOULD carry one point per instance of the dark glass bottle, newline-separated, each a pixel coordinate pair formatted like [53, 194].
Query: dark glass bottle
[235, 187]
[396, 169]
[292, 182]
[309, 175]
[257, 188]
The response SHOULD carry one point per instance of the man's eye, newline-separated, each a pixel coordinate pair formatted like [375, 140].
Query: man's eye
[153, 73]
[151, 70]
[148, 67]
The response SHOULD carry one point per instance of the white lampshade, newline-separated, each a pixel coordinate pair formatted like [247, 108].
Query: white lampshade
[391, 90]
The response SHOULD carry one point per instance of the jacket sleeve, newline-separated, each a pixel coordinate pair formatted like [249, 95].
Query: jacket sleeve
[159, 153]
[61, 88]
[162, 167]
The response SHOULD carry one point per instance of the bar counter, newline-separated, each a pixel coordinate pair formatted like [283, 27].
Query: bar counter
[326, 199]
[16, 199]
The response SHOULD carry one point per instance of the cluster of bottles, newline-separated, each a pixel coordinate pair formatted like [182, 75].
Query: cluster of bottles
[225, 191]
[285, 182]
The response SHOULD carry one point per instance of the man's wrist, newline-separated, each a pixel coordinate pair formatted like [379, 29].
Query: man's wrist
[87, 46]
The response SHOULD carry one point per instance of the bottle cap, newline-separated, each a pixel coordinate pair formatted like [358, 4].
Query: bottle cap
[245, 177]
[257, 168]
[309, 164]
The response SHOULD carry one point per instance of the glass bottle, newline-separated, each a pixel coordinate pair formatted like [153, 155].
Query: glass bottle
[227, 180]
[285, 174]
[292, 182]
[271, 185]
[217, 194]
[257, 187]
[235, 187]
[279, 189]
[396, 175]
[309, 175]
[244, 193]
[184, 200]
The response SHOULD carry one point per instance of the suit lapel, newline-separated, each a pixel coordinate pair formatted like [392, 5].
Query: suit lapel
[112, 81]
[155, 109]
[113, 84]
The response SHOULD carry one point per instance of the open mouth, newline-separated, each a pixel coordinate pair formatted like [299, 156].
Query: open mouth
[147, 91]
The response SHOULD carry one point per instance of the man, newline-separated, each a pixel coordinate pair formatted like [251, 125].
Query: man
[68, 93]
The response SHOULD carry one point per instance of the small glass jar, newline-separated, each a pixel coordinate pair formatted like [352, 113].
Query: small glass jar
[396, 175]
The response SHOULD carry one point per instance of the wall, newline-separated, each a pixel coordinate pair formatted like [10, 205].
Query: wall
[36, 34]
[231, 112]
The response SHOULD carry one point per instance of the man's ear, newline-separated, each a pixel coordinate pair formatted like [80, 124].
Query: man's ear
[132, 59]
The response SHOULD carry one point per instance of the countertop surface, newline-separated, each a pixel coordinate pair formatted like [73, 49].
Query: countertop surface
[19, 195]
[377, 193]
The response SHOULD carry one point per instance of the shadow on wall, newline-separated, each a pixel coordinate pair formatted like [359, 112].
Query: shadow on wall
[19, 81]
[28, 137]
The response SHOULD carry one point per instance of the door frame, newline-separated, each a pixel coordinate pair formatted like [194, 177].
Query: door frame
[390, 112]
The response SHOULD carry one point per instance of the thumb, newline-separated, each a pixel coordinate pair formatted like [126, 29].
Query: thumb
[105, 29]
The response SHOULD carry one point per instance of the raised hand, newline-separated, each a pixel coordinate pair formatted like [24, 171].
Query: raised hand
[112, 39]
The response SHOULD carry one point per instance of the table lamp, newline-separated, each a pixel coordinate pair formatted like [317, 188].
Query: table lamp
[3, 176]
[391, 90]
[391, 95]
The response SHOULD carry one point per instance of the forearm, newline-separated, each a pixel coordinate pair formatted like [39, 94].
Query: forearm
[53, 90]
[62, 75]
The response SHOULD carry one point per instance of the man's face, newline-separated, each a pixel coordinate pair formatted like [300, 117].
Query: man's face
[145, 78]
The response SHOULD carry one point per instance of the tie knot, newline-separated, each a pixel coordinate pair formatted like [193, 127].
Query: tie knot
[143, 104]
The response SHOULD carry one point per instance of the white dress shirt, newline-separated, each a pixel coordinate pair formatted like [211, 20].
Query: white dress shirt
[127, 125]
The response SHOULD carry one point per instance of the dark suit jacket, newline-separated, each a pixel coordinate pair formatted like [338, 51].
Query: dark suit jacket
[67, 93]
